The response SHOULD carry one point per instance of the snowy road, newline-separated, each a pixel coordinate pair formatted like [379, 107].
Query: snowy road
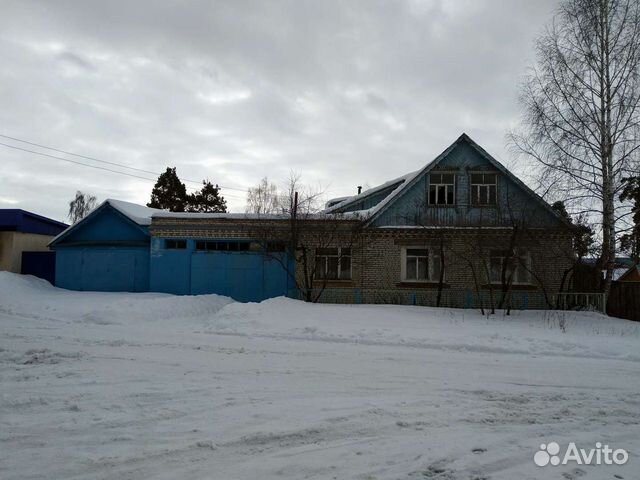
[154, 386]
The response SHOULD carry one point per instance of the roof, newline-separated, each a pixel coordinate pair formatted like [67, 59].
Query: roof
[407, 181]
[138, 214]
[619, 262]
[627, 274]
[18, 220]
[230, 216]
[341, 202]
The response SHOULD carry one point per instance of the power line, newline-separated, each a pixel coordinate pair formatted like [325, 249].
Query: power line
[80, 156]
[97, 160]
[97, 167]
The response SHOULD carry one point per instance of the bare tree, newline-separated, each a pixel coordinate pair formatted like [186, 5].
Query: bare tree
[309, 199]
[80, 206]
[263, 198]
[581, 118]
[313, 249]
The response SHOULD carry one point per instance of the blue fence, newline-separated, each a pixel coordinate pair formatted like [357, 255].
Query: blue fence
[451, 298]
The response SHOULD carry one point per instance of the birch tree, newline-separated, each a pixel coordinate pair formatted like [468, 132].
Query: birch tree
[263, 198]
[81, 206]
[581, 113]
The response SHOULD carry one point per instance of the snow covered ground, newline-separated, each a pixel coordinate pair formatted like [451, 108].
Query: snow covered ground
[99, 385]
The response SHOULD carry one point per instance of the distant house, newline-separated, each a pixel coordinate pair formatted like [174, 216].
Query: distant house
[461, 230]
[22, 232]
[630, 275]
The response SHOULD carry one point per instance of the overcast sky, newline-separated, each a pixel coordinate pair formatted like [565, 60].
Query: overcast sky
[345, 92]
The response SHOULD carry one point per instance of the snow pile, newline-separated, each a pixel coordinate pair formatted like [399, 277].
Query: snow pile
[522, 332]
[37, 298]
[125, 385]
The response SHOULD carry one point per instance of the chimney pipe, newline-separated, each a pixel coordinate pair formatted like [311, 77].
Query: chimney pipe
[359, 189]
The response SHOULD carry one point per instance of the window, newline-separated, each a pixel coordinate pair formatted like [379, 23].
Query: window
[333, 264]
[483, 188]
[517, 267]
[420, 265]
[217, 246]
[175, 244]
[442, 189]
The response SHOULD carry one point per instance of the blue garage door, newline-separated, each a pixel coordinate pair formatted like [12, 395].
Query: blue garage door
[107, 269]
[243, 276]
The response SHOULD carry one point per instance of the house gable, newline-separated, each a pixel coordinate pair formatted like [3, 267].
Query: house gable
[631, 275]
[104, 226]
[515, 202]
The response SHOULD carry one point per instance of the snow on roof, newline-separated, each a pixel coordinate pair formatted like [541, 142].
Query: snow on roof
[344, 201]
[617, 273]
[136, 213]
[231, 216]
[256, 216]
[335, 201]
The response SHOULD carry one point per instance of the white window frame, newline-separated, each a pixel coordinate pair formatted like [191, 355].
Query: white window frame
[433, 256]
[446, 185]
[523, 259]
[475, 189]
[340, 256]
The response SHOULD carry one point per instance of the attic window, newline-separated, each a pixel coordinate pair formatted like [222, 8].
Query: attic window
[442, 189]
[483, 188]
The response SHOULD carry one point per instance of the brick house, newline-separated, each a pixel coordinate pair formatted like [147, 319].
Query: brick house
[466, 216]
[460, 231]
[23, 242]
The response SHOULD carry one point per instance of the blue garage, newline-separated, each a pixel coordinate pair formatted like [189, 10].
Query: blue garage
[113, 249]
[237, 268]
[107, 251]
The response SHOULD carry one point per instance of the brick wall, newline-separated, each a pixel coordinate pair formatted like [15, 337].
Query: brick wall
[464, 251]
[377, 259]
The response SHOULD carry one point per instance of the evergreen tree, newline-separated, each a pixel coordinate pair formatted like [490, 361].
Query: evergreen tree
[582, 233]
[630, 242]
[207, 199]
[562, 210]
[169, 193]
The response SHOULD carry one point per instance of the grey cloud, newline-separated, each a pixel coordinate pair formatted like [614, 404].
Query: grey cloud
[347, 93]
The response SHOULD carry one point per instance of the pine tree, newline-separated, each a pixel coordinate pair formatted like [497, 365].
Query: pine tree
[169, 193]
[582, 233]
[207, 199]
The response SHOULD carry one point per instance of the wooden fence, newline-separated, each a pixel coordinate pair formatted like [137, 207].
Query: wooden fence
[624, 300]
[580, 301]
